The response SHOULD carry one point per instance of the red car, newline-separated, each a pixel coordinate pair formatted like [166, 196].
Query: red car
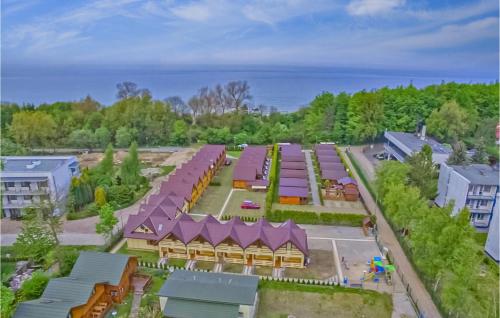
[250, 205]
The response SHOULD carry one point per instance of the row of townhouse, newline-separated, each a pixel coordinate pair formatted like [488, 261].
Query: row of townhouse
[234, 241]
[293, 190]
[252, 169]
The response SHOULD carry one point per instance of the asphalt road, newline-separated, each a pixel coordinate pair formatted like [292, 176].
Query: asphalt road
[312, 178]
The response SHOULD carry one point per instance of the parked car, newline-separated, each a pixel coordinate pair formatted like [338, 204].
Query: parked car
[379, 156]
[228, 162]
[247, 204]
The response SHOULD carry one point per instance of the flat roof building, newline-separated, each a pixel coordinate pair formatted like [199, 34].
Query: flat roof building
[401, 145]
[28, 181]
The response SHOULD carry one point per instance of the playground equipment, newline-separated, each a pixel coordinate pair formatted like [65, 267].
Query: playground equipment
[377, 269]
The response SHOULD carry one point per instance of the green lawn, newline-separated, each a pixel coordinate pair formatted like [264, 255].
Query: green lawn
[8, 268]
[232, 268]
[263, 270]
[321, 266]
[233, 206]
[234, 153]
[279, 299]
[166, 170]
[145, 256]
[177, 262]
[159, 277]
[123, 309]
[214, 197]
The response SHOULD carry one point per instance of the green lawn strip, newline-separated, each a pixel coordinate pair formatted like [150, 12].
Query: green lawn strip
[205, 265]
[158, 279]
[233, 207]
[123, 309]
[232, 268]
[234, 153]
[8, 268]
[213, 197]
[279, 299]
[303, 217]
[177, 262]
[145, 256]
[166, 170]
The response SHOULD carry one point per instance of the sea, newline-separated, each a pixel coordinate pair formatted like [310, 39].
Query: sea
[286, 87]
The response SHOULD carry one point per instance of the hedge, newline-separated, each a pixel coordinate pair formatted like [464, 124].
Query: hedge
[273, 179]
[304, 217]
[243, 218]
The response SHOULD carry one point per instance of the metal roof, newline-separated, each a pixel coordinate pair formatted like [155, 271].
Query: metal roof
[211, 287]
[183, 308]
[294, 182]
[415, 143]
[100, 267]
[479, 174]
[293, 192]
[43, 308]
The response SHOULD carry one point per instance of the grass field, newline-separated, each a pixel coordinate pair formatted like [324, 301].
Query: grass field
[8, 268]
[321, 266]
[205, 265]
[144, 256]
[234, 153]
[214, 197]
[283, 299]
[263, 270]
[233, 206]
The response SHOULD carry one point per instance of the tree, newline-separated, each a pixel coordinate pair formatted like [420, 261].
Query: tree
[237, 92]
[129, 90]
[196, 106]
[458, 155]
[319, 118]
[7, 301]
[105, 167]
[33, 288]
[390, 173]
[480, 155]
[448, 123]
[179, 107]
[107, 221]
[102, 136]
[180, 134]
[94, 120]
[83, 138]
[241, 138]
[100, 196]
[124, 137]
[35, 240]
[423, 173]
[22, 130]
[130, 168]
[366, 114]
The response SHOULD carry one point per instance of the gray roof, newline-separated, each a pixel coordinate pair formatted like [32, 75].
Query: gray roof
[42, 163]
[182, 308]
[60, 295]
[415, 143]
[100, 267]
[480, 174]
[211, 287]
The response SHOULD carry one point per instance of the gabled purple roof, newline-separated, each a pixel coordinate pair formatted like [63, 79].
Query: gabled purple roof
[293, 158]
[293, 182]
[287, 173]
[326, 152]
[333, 174]
[293, 165]
[330, 165]
[251, 163]
[293, 192]
[186, 229]
[324, 158]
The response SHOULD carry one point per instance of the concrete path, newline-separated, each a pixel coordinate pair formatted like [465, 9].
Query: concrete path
[221, 212]
[312, 178]
[389, 240]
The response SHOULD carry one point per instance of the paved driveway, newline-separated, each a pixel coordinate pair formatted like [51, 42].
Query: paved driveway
[312, 178]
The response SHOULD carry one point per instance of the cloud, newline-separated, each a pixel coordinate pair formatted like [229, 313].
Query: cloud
[372, 7]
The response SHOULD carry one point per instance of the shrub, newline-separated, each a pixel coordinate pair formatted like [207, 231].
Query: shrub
[34, 287]
[100, 196]
[305, 217]
[120, 195]
[67, 258]
[273, 175]
[7, 301]
[89, 210]
[215, 183]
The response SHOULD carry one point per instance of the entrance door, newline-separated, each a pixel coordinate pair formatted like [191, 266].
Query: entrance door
[249, 260]
[277, 262]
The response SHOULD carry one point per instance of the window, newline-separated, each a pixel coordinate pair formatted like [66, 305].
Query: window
[114, 293]
[25, 184]
[44, 184]
[11, 198]
[479, 217]
[27, 197]
[10, 184]
[486, 188]
[483, 202]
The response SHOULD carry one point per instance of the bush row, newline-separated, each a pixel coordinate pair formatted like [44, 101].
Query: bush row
[243, 218]
[304, 217]
[273, 174]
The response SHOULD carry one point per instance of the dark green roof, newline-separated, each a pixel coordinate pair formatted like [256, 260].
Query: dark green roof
[62, 294]
[211, 287]
[180, 308]
[100, 267]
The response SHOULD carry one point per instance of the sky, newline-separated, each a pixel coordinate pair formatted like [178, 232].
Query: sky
[440, 35]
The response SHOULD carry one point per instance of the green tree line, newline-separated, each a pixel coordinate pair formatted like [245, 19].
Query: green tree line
[225, 114]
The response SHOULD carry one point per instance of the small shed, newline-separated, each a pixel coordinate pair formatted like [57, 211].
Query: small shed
[293, 195]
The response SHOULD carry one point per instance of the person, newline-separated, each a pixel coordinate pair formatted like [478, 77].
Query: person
[343, 261]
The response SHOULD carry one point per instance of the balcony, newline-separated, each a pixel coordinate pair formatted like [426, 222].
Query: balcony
[394, 152]
[481, 196]
[25, 190]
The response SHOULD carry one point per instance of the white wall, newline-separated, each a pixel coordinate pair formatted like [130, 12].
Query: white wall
[492, 243]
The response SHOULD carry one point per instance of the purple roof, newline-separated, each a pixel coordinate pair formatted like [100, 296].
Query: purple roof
[347, 180]
[293, 165]
[323, 158]
[294, 182]
[293, 158]
[185, 229]
[293, 192]
[251, 163]
[287, 173]
[331, 165]
[333, 174]
[324, 147]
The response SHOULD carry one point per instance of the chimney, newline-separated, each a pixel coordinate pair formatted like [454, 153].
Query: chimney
[422, 134]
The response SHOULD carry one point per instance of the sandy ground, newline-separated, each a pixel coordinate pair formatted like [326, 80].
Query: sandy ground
[152, 159]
